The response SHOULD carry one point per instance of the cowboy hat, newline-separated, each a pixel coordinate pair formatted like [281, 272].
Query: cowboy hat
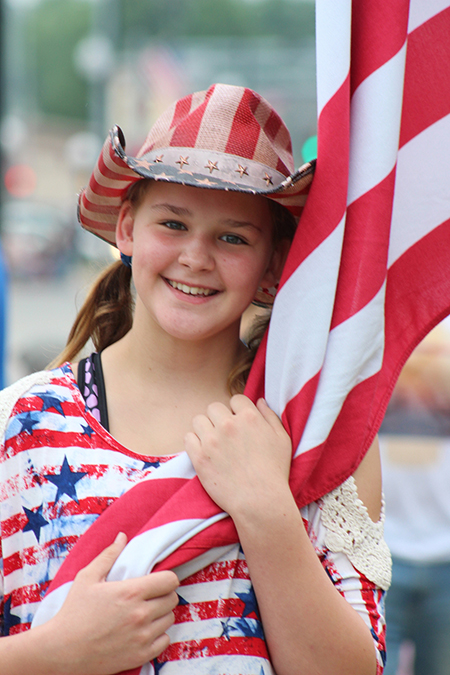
[225, 138]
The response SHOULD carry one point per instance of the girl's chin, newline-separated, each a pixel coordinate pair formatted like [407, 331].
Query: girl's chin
[190, 332]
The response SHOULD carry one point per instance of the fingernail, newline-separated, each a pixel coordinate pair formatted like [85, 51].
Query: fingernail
[120, 537]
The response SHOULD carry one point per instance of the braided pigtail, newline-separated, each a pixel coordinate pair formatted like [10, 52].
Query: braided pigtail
[106, 315]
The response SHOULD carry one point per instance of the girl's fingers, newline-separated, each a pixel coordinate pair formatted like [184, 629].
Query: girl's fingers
[240, 402]
[160, 585]
[201, 425]
[268, 414]
[98, 569]
[217, 412]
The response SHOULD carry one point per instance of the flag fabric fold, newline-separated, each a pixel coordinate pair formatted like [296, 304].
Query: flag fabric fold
[366, 278]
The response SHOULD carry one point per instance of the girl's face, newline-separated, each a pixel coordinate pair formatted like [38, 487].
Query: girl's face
[198, 257]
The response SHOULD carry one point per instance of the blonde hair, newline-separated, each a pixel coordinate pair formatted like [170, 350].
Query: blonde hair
[107, 313]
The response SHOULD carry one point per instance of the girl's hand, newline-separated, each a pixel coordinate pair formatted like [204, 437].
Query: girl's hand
[242, 456]
[106, 627]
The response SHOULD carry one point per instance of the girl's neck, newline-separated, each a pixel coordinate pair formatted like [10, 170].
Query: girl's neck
[153, 359]
[155, 388]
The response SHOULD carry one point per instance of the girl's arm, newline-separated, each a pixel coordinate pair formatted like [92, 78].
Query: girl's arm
[243, 461]
[102, 628]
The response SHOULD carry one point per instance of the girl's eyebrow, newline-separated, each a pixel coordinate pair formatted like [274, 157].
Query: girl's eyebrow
[177, 210]
[183, 211]
[230, 222]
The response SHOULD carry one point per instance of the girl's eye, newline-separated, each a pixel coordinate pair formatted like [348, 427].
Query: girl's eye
[233, 239]
[174, 225]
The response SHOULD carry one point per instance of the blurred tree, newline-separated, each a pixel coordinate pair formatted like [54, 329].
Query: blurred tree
[59, 25]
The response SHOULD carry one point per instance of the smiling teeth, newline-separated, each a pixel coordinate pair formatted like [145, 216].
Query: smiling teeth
[191, 290]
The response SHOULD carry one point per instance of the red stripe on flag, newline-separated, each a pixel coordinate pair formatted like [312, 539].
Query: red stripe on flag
[342, 451]
[327, 199]
[378, 33]
[426, 97]
[365, 250]
[413, 305]
[296, 412]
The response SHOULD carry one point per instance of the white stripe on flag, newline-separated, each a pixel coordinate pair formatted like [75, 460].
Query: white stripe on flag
[355, 353]
[375, 117]
[422, 195]
[333, 20]
[423, 10]
[305, 301]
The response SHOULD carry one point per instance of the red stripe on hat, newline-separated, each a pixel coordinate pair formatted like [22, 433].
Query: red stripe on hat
[426, 97]
[105, 209]
[365, 250]
[123, 171]
[182, 110]
[99, 226]
[185, 135]
[272, 125]
[378, 33]
[103, 191]
[245, 130]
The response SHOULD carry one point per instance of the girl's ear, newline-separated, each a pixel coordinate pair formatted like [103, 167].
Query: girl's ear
[125, 229]
[274, 270]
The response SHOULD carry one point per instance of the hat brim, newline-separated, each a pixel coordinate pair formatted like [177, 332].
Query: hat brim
[100, 202]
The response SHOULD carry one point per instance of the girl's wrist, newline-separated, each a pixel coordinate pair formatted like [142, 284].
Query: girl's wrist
[265, 509]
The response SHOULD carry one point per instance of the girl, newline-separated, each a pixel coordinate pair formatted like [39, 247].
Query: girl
[199, 220]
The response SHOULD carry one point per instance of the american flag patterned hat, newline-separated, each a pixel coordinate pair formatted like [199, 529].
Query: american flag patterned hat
[226, 138]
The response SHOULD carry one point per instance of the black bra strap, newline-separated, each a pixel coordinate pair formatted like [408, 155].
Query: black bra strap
[100, 382]
[94, 363]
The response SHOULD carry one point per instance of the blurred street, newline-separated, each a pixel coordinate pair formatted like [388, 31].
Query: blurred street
[40, 314]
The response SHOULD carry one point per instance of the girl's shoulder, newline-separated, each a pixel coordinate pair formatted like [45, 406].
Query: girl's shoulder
[11, 395]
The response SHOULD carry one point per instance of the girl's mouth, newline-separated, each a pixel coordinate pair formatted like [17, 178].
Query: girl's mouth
[191, 290]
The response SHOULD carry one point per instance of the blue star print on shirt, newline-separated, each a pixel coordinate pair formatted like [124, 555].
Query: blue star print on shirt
[27, 421]
[65, 481]
[149, 464]
[9, 620]
[36, 521]
[158, 666]
[87, 430]
[249, 628]
[250, 602]
[49, 401]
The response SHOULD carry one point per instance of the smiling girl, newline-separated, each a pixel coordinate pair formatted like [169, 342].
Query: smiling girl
[203, 218]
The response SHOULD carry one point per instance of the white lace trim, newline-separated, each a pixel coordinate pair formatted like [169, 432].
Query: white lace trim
[350, 530]
[10, 395]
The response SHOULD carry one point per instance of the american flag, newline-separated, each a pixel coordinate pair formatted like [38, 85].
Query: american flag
[367, 277]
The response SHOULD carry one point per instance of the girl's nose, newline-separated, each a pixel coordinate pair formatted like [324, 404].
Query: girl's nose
[197, 255]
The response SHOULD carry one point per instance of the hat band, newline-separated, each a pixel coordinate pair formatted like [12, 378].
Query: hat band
[206, 168]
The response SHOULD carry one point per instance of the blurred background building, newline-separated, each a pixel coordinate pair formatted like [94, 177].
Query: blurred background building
[73, 68]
